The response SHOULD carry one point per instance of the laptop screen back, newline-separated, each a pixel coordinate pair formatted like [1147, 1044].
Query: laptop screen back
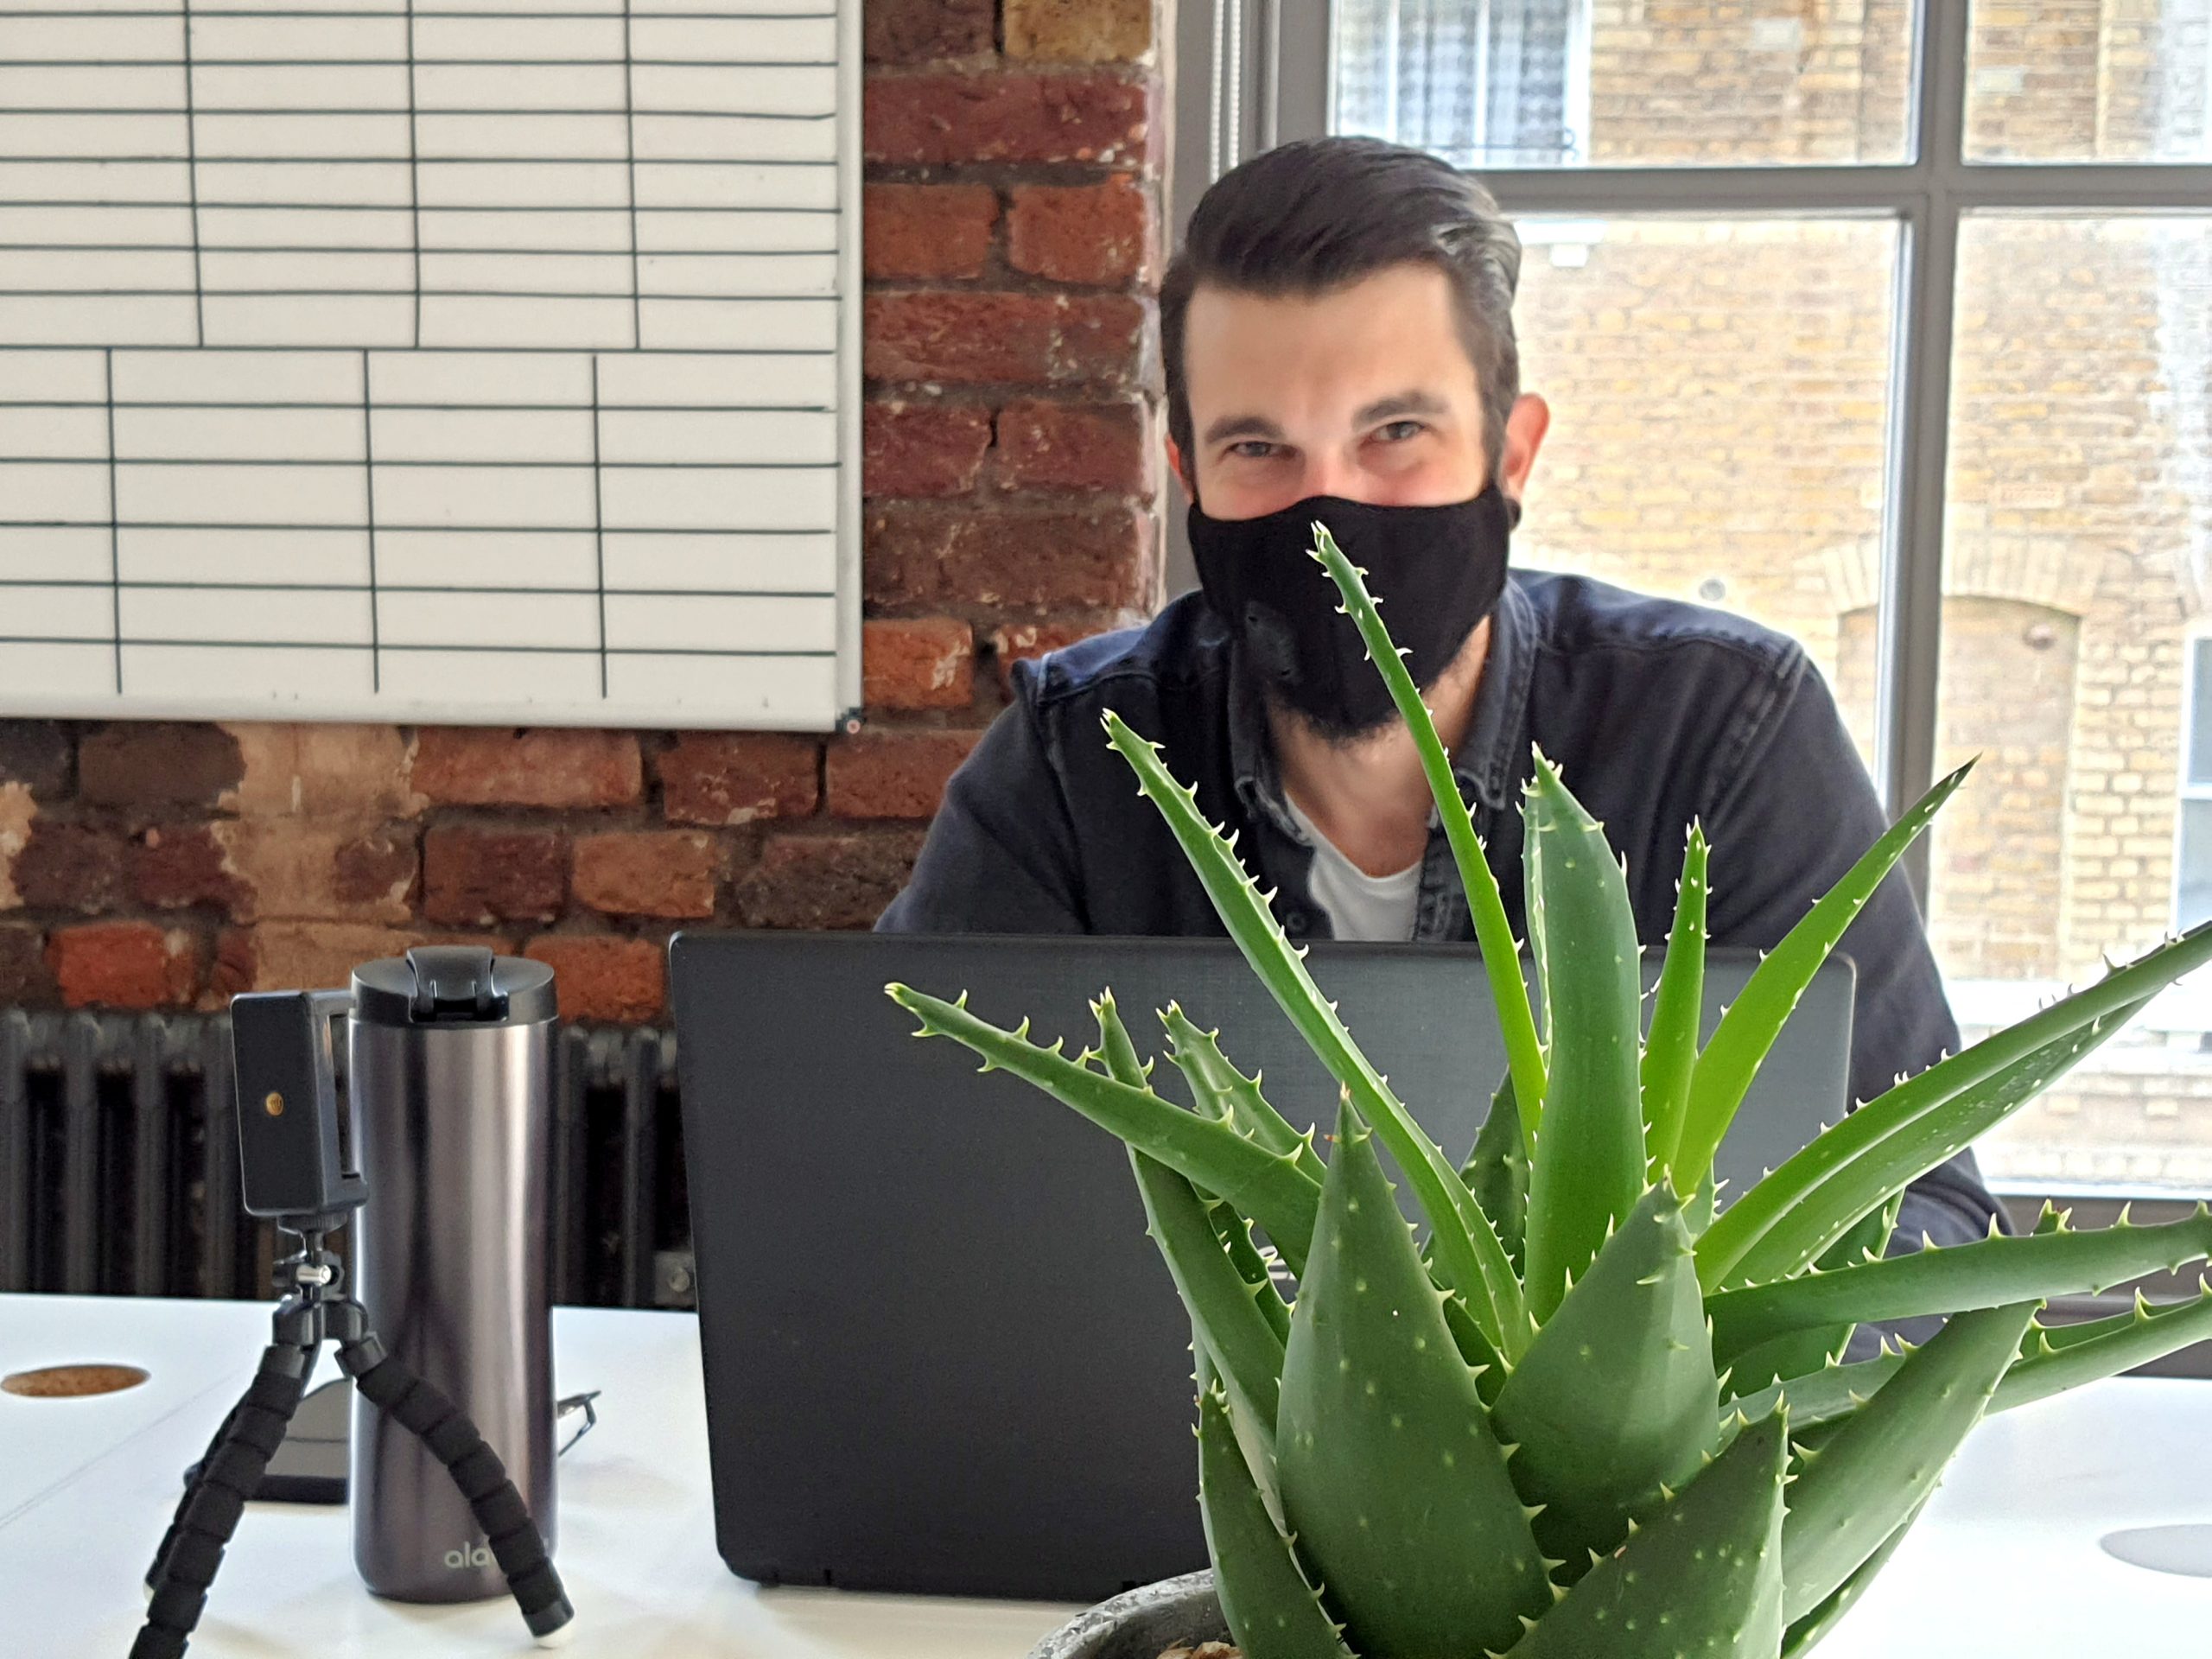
[941, 1354]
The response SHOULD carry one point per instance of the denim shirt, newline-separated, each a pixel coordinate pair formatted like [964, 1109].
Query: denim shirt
[1656, 712]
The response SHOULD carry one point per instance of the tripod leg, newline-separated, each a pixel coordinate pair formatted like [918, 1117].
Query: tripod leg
[209, 1515]
[215, 1444]
[424, 1411]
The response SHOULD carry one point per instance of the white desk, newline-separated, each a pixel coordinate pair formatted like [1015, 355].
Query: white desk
[2006, 1562]
[88, 1486]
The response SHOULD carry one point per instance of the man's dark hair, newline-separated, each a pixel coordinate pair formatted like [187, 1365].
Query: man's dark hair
[1311, 216]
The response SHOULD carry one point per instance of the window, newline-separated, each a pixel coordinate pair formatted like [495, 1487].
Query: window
[2193, 850]
[1485, 83]
[1888, 323]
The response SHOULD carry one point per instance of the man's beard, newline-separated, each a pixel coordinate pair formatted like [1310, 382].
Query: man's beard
[1338, 733]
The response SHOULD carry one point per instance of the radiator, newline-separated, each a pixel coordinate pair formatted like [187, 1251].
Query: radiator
[119, 1174]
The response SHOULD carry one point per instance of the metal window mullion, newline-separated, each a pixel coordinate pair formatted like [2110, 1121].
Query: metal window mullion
[1908, 621]
[1704, 191]
[1268, 67]
[1723, 192]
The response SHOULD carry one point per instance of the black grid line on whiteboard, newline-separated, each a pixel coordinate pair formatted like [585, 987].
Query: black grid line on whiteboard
[400, 357]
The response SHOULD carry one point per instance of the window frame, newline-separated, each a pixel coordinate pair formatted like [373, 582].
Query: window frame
[1252, 74]
[2196, 667]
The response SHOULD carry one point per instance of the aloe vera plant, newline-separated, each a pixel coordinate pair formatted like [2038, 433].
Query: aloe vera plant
[1588, 1416]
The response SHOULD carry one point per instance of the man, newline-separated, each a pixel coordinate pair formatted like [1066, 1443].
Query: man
[1338, 343]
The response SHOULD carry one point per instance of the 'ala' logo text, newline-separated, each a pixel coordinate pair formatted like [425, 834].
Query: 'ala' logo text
[468, 1555]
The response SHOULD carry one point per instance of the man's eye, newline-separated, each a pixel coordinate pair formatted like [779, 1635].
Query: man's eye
[1252, 449]
[1399, 431]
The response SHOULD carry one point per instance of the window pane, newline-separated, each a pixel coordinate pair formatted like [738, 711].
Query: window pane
[1570, 83]
[2080, 80]
[2080, 545]
[2193, 884]
[2200, 713]
[1718, 395]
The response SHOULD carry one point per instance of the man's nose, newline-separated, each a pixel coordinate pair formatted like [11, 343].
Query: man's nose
[1330, 475]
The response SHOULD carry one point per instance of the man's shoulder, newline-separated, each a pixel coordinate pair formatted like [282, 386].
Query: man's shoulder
[1180, 653]
[1577, 617]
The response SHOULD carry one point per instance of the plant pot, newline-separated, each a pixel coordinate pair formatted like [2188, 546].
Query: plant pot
[1140, 1624]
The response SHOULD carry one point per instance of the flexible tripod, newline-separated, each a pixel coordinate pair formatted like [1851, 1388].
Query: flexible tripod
[316, 1309]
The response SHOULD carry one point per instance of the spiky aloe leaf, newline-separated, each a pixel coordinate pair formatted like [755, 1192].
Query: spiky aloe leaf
[1702, 1574]
[1589, 1159]
[1802, 1208]
[1807, 1633]
[1812, 1346]
[1880, 1463]
[1272, 1611]
[1272, 1190]
[2053, 1359]
[1984, 1274]
[1670, 1045]
[1497, 1171]
[1491, 1368]
[1493, 929]
[1748, 1030]
[1225, 1314]
[1124, 1064]
[1467, 1251]
[2065, 1356]
[1391, 1477]
[1223, 1091]
[1227, 1293]
[1614, 1398]
[1235, 1235]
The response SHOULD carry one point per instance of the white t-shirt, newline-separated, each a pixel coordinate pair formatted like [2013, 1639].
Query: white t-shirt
[1358, 905]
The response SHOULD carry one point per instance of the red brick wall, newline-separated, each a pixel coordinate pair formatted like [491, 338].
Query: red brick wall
[1013, 151]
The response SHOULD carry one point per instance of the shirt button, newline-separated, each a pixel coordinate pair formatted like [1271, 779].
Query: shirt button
[1294, 924]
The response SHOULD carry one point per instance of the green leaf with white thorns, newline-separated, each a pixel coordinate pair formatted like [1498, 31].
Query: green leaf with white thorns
[1532, 906]
[1880, 1463]
[1272, 1190]
[1497, 1171]
[1985, 1273]
[1807, 1632]
[1467, 1251]
[1232, 1328]
[2065, 1356]
[1588, 1163]
[1235, 1235]
[1810, 1348]
[1802, 1208]
[1246, 1351]
[1748, 1030]
[1670, 1045]
[1274, 1611]
[2054, 1359]
[1391, 1479]
[1493, 929]
[1702, 1574]
[1124, 1064]
[1613, 1399]
[1223, 1091]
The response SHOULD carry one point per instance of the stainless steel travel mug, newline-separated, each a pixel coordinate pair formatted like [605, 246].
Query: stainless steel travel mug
[450, 1088]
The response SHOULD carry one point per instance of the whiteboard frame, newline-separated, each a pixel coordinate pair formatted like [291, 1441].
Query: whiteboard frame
[847, 672]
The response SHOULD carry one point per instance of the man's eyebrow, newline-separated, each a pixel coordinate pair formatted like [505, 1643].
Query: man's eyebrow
[1397, 406]
[1243, 426]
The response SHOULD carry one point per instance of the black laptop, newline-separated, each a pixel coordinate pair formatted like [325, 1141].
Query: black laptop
[941, 1354]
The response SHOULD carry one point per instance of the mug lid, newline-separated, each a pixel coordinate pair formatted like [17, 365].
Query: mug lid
[454, 985]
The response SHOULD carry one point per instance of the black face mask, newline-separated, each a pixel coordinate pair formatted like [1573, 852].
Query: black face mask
[1436, 573]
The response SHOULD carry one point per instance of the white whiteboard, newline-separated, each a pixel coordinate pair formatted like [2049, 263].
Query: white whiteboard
[440, 360]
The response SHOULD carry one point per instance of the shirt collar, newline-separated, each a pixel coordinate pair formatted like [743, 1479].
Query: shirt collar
[1485, 763]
